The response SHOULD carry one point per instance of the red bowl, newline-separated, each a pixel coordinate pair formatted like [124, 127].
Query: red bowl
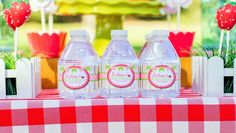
[182, 42]
[47, 45]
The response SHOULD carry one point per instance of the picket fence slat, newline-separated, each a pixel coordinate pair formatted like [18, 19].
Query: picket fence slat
[205, 76]
[2, 80]
[28, 80]
[198, 78]
[215, 77]
[36, 76]
[33, 78]
[10, 73]
[202, 77]
[194, 73]
[24, 78]
[208, 76]
[199, 74]
[228, 72]
[234, 77]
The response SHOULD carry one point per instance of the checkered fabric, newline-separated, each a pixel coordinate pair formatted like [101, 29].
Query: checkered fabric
[180, 115]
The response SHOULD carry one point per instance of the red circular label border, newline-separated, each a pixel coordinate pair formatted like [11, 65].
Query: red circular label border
[76, 88]
[162, 87]
[124, 86]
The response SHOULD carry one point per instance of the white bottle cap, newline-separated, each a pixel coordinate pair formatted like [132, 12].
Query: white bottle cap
[81, 33]
[160, 33]
[120, 33]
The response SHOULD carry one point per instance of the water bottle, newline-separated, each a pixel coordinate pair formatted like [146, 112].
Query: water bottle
[78, 68]
[119, 68]
[147, 39]
[160, 67]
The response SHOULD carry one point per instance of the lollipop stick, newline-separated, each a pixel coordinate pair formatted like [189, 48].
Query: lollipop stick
[178, 15]
[227, 42]
[15, 43]
[227, 47]
[50, 22]
[221, 42]
[43, 19]
[169, 21]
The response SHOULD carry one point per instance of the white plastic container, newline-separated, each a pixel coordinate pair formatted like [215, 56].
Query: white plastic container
[119, 69]
[78, 68]
[160, 67]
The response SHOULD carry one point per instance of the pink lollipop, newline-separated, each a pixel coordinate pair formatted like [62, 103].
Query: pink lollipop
[168, 10]
[171, 6]
[41, 5]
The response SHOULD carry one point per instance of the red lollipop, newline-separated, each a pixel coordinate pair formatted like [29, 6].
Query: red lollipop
[20, 13]
[226, 17]
[15, 17]
[8, 18]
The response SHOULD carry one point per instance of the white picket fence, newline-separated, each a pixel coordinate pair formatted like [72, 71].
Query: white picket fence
[208, 76]
[28, 80]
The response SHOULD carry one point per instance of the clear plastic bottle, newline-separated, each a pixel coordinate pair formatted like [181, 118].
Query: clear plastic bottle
[119, 68]
[160, 67]
[147, 39]
[78, 68]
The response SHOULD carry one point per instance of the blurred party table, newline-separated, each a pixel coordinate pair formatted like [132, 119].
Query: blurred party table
[189, 113]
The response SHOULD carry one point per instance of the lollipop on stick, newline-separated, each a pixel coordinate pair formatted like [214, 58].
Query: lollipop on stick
[51, 9]
[41, 5]
[174, 6]
[50, 22]
[51, 43]
[178, 15]
[43, 21]
[226, 19]
[15, 17]
[168, 11]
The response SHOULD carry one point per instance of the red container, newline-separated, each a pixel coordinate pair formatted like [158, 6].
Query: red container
[47, 45]
[182, 42]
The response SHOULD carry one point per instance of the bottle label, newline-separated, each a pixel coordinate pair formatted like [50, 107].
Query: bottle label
[76, 77]
[162, 76]
[121, 76]
[117, 76]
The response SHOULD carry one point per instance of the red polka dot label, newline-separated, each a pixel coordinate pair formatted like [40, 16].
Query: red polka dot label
[75, 77]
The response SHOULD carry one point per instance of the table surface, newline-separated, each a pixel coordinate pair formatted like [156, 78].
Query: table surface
[189, 113]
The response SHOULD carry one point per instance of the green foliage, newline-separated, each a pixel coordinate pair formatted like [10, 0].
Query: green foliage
[6, 33]
[231, 2]
[8, 58]
[7, 3]
[210, 51]
[10, 63]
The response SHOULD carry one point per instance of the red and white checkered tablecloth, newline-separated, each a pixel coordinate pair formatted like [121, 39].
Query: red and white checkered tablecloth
[180, 115]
